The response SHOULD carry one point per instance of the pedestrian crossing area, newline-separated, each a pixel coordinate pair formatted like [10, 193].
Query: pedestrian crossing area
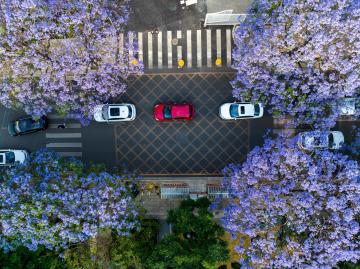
[182, 49]
[66, 141]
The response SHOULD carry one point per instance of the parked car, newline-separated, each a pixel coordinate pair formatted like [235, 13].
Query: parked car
[320, 140]
[174, 112]
[27, 125]
[114, 112]
[236, 110]
[347, 106]
[10, 157]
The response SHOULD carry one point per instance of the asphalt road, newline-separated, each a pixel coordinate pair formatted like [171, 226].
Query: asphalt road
[200, 147]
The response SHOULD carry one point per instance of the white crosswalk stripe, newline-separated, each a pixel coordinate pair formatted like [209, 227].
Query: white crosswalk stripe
[159, 50]
[66, 141]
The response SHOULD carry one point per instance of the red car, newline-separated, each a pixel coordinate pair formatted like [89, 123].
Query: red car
[173, 112]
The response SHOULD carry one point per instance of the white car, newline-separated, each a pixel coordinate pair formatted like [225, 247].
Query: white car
[114, 112]
[320, 140]
[347, 106]
[235, 111]
[10, 157]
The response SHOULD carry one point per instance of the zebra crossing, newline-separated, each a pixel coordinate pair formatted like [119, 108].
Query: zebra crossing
[193, 48]
[67, 142]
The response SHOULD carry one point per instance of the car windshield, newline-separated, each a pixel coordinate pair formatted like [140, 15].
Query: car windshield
[234, 110]
[331, 140]
[257, 110]
[130, 112]
[104, 112]
[7, 157]
[26, 125]
[167, 112]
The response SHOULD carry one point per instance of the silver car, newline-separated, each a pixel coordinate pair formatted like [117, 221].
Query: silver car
[114, 112]
[9, 157]
[320, 140]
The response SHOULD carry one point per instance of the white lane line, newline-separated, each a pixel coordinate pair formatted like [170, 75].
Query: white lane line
[179, 48]
[64, 145]
[121, 43]
[131, 45]
[63, 135]
[228, 47]
[68, 125]
[70, 154]
[141, 48]
[208, 47]
[169, 48]
[198, 50]
[150, 50]
[218, 43]
[159, 56]
[188, 48]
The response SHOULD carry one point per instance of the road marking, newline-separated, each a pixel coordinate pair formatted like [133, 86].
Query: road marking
[169, 48]
[131, 45]
[64, 145]
[218, 43]
[121, 43]
[63, 135]
[188, 48]
[179, 48]
[141, 48]
[208, 47]
[228, 47]
[160, 59]
[68, 125]
[198, 44]
[150, 50]
[70, 154]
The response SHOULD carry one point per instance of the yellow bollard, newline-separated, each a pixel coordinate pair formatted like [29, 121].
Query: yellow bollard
[218, 62]
[134, 62]
[181, 63]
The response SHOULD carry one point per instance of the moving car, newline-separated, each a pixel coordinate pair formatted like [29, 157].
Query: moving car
[27, 125]
[114, 112]
[10, 157]
[320, 140]
[236, 111]
[347, 106]
[174, 112]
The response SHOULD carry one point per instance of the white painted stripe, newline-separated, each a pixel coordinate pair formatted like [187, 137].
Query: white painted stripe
[63, 135]
[179, 48]
[169, 48]
[54, 116]
[121, 43]
[159, 56]
[198, 50]
[131, 45]
[150, 50]
[64, 145]
[218, 43]
[228, 47]
[68, 125]
[188, 48]
[70, 154]
[141, 47]
[208, 47]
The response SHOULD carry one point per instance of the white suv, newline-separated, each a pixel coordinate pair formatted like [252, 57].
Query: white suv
[235, 111]
[10, 157]
[114, 112]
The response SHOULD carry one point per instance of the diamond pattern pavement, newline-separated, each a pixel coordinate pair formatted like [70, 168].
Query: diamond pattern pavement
[202, 146]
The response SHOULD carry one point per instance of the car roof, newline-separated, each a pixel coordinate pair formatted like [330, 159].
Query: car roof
[181, 111]
[118, 111]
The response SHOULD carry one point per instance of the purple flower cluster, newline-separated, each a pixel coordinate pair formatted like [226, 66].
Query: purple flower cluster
[51, 201]
[299, 210]
[53, 54]
[299, 58]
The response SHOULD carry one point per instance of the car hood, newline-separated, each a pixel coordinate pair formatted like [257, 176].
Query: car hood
[225, 110]
[20, 155]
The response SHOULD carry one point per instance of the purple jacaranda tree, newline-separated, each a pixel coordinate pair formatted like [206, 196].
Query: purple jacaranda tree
[294, 209]
[299, 57]
[65, 56]
[56, 202]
